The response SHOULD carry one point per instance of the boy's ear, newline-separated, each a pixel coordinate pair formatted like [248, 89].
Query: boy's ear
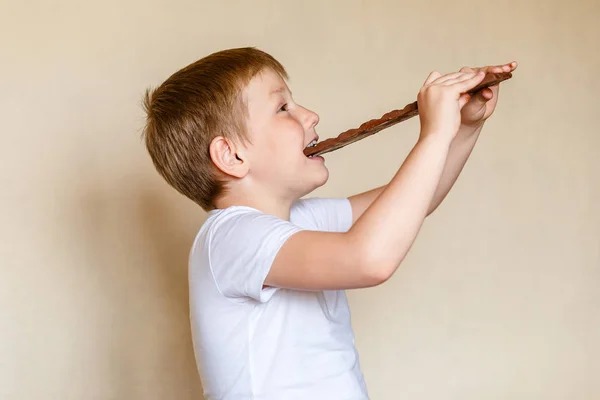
[228, 157]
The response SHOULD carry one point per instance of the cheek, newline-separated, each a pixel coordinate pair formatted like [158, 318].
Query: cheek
[297, 136]
[280, 146]
[288, 138]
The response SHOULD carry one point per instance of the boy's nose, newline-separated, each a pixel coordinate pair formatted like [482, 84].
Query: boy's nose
[311, 119]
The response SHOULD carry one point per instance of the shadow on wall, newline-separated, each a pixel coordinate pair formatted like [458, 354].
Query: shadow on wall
[169, 232]
[137, 239]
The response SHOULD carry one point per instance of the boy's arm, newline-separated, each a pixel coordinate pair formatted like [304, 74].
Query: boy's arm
[373, 248]
[459, 152]
[370, 251]
[473, 115]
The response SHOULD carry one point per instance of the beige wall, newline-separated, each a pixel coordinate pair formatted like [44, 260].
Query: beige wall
[500, 297]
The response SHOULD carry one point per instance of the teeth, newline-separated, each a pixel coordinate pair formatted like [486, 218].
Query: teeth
[312, 144]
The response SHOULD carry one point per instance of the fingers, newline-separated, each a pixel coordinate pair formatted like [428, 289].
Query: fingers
[466, 73]
[469, 83]
[486, 94]
[460, 82]
[495, 69]
[432, 77]
[447, 77]
[509, 67]
[461, 78]
[437, 78]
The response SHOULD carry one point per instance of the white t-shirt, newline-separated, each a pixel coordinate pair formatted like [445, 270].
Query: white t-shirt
[268, 343]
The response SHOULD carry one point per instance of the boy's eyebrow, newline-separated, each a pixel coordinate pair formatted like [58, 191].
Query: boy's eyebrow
[280, 89]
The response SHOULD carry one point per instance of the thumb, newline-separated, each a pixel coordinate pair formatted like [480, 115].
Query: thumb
[463, 99]
[476, 102]
[479, 99]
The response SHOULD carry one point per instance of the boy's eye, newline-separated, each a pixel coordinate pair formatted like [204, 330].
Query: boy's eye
[283, 107]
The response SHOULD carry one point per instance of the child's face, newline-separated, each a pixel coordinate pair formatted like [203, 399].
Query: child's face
[280, 130]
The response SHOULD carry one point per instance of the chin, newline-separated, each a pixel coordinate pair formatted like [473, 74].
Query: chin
[316, 181]
[321, 179]
[324, 177]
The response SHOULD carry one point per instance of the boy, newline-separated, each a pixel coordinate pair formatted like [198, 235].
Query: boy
[268, 269]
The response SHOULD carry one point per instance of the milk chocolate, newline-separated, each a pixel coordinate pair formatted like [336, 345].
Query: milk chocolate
[389, 119]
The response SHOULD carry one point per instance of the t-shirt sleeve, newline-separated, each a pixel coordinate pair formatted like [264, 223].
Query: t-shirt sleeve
[323, 214]
[241, 247]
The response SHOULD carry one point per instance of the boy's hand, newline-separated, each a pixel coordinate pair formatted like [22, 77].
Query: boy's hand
[482, 105]
[441, 100]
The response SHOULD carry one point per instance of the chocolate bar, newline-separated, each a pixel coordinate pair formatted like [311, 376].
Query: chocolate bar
[391, 118]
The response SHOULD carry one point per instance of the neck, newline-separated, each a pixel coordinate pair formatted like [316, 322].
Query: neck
[269, 204]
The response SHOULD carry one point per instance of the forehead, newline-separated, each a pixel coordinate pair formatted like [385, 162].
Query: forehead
[265, 85]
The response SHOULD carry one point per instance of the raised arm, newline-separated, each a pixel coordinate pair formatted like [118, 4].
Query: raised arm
[458, 154]
[473, 115]
[371, 251]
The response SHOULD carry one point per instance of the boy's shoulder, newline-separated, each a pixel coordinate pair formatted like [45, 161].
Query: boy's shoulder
[238, 225]
[234, 251]
[315, 213]
[236, 246]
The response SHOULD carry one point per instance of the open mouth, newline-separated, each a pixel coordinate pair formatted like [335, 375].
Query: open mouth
[313, 143]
